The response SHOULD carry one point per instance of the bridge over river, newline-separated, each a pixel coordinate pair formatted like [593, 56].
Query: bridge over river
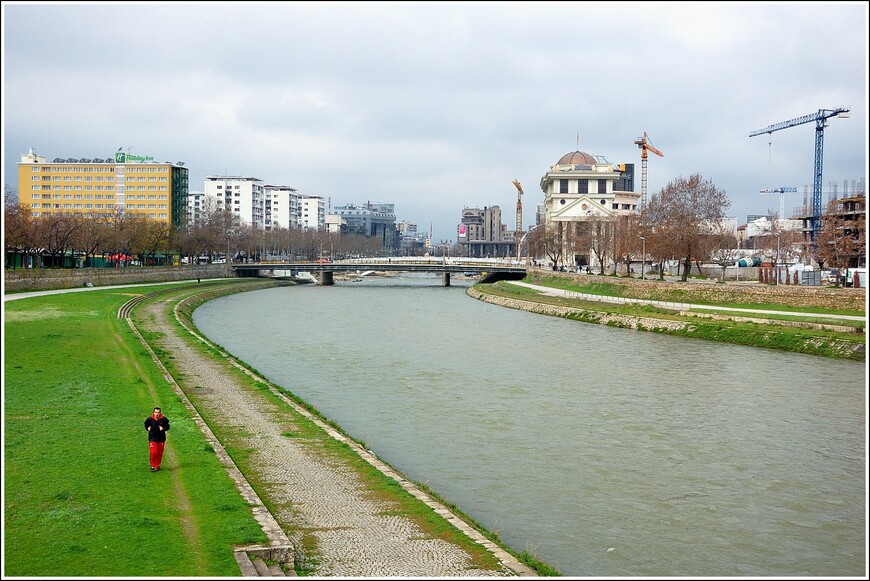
[490, 272]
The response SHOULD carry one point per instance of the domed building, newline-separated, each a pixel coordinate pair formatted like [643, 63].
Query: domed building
[582, 189]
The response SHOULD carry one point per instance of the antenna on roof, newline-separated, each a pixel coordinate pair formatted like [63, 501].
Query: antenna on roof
[578, 140]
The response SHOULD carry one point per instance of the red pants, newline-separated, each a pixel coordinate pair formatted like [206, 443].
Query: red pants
[155, 450]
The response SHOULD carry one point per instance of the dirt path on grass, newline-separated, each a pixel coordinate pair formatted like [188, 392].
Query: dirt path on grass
[336, 526]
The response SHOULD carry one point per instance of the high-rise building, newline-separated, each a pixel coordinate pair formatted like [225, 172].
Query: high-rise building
[101, 187]
[282, 207]
[373, 220]
[481, 233]
[243, 196]
[312, 212]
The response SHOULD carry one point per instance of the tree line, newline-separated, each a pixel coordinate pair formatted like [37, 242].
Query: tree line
[119, 238]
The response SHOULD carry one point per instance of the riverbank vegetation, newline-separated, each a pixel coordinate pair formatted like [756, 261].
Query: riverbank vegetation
[819, 335]
[79, 498]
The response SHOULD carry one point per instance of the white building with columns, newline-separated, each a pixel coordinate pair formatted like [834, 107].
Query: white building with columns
[582, 188]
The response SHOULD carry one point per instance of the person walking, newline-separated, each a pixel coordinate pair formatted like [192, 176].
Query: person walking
[157, 425]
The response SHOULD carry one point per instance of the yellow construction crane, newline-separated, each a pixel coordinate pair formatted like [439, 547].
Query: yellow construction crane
[644, 145]
[519, 233]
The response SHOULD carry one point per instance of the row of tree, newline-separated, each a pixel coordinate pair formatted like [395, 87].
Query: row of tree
[119, 238]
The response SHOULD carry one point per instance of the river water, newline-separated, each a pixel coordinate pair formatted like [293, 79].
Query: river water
[602, 451]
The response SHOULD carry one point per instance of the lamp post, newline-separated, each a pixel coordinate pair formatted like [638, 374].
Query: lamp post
[229, 264]
[777, 258]
[643, 259]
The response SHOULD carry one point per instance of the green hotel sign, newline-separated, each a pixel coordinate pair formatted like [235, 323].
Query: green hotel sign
[121, 157]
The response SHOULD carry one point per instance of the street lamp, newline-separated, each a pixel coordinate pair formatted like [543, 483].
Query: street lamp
[227, 257]
[777, 258]
[643, 260]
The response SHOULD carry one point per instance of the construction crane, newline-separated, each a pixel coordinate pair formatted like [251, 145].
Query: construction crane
[781, 192]
[519, 232]
[644, 145]
[820, 117]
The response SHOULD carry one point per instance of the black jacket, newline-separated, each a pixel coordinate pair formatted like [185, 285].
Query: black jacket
[155, 434]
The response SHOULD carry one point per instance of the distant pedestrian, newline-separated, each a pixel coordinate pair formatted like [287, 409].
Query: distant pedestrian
[157, 425]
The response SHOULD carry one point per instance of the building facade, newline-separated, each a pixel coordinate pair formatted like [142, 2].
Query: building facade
[580, 189]
[281, 207]
[481, 234]
[312, 213]
[372, 220]
[101, 187]
[243, 196]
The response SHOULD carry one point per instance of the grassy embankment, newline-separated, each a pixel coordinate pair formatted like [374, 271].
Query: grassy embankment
[79, 498]
[813, 335]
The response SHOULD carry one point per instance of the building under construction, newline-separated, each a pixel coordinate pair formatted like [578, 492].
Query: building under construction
[851, 204]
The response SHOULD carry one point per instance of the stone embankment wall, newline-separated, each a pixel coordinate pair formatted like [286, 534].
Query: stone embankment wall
[20, 280]
[713, 293]
[812, 345]
[625, 321]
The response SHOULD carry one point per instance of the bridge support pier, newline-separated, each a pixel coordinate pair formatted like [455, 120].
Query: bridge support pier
[445, 279]
[326, 278]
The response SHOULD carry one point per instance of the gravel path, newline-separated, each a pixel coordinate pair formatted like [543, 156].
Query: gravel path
[336, 526]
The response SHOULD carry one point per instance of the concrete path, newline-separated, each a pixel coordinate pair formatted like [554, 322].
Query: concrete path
[674, 306]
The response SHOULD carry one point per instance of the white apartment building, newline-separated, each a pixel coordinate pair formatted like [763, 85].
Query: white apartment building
[243, 196]
[196, 208]
[281, 207]
[312, 212]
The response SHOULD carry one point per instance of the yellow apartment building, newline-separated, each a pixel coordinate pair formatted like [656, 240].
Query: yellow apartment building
[131, 184]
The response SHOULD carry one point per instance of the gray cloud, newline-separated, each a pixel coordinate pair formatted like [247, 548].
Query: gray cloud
[439, 106]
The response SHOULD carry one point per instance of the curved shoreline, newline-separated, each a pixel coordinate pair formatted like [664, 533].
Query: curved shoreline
[432, 560]
[812, 345]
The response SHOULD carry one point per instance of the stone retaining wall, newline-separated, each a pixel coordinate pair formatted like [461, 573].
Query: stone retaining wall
[21, 280]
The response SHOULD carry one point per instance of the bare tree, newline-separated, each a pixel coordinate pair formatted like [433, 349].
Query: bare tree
[150, 237]
[627, 243]
[59, 232]
[601, 234]
[724, 250]
[92, 236]
[681, 215]
[18, 228]
[553, 242]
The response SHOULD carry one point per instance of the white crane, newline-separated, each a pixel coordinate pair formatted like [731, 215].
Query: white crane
[782, 192]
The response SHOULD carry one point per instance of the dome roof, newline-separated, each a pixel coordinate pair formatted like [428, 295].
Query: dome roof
[576, 157]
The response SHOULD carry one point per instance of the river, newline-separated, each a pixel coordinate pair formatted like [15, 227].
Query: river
[602, 451]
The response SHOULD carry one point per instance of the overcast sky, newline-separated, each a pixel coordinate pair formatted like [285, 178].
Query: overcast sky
[439, 106]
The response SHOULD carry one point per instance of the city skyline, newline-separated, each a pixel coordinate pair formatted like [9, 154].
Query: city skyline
[438, 107]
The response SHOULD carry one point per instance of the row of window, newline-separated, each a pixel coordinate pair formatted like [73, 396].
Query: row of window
[61, 168]
[87, 188]
[99, 197]
[152, 215]
[582, 186]
[80, 206]
[98, 169]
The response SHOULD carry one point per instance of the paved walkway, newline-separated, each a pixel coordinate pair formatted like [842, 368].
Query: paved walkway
[337, 527]
[672, 305]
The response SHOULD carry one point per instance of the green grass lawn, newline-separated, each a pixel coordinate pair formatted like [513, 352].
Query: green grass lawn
[79, 498]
